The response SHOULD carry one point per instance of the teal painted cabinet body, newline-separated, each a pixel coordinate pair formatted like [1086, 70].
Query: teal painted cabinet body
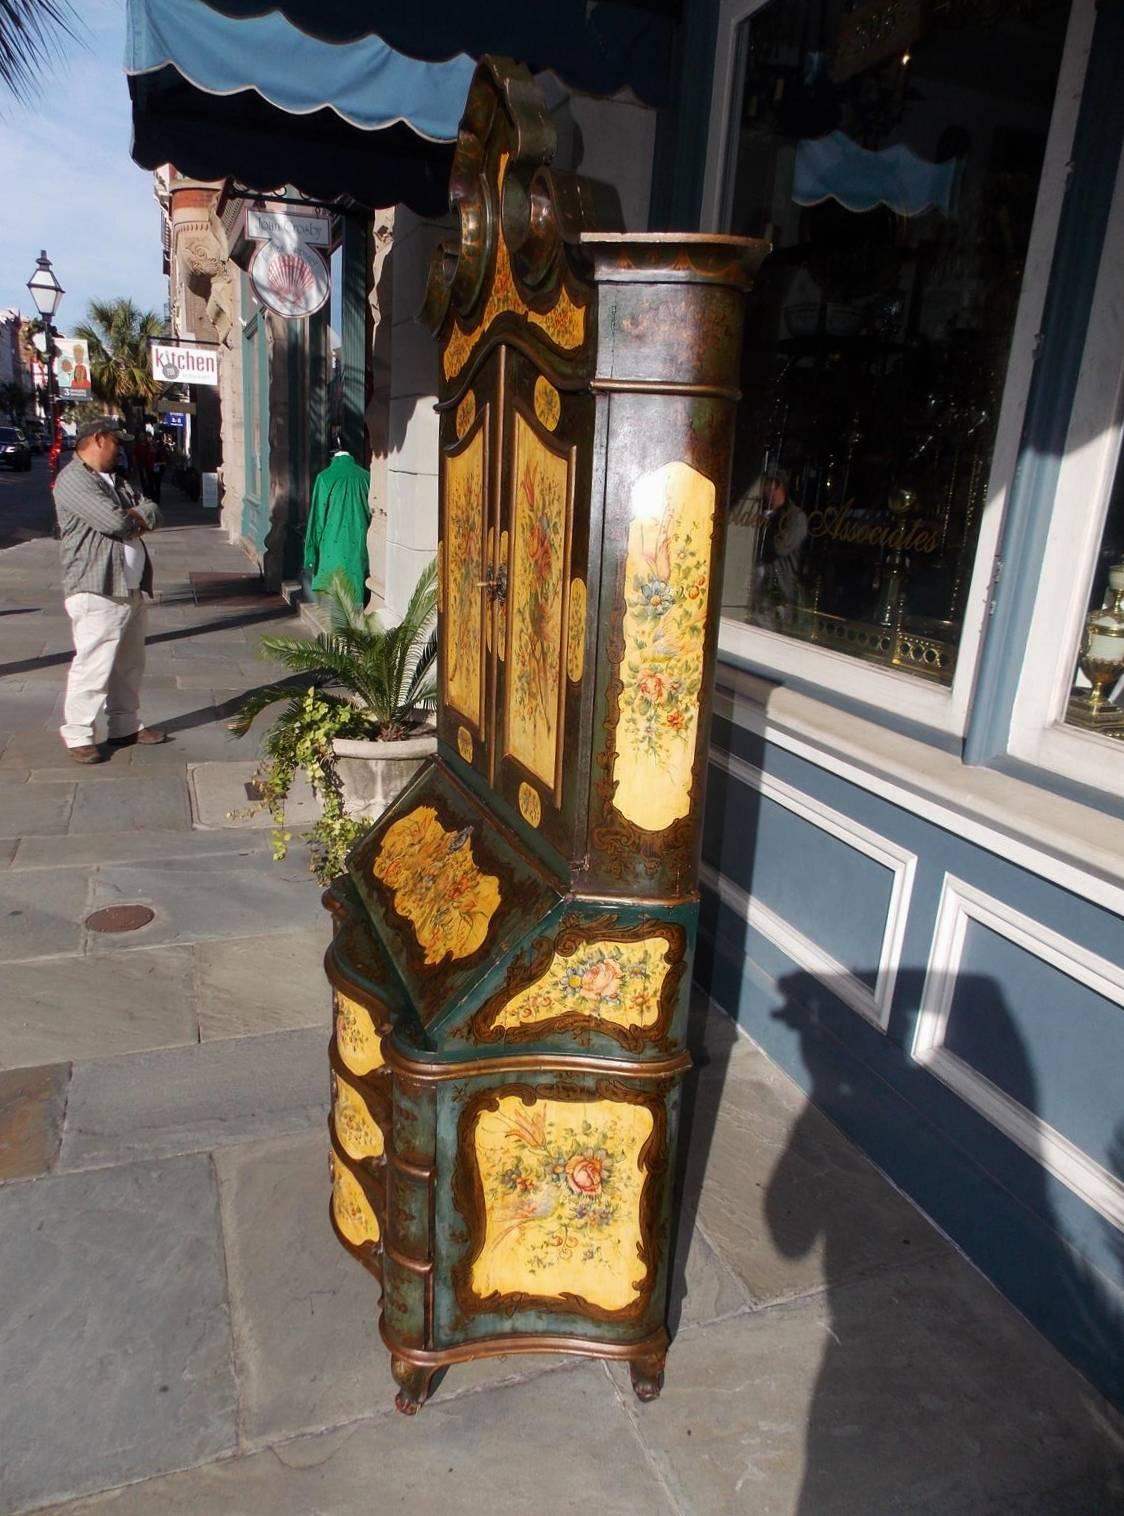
[512, 956]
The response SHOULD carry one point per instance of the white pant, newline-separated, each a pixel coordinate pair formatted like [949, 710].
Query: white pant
[108, 665]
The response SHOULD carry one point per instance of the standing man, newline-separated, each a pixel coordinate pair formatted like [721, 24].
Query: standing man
[105, 573]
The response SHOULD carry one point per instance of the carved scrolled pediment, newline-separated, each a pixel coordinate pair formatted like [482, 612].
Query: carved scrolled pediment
[515, 268]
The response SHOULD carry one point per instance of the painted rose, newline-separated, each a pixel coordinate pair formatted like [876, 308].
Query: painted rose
[584, 1173]
[676, 720]
[602, 981]
[652, 687]
[539, 551]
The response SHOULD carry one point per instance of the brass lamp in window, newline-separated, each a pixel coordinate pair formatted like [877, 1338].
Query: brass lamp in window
[1101, 660]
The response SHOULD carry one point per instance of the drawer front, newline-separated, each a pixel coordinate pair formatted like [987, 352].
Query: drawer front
[356, 1129]
[353, 1212]
[359, 1044]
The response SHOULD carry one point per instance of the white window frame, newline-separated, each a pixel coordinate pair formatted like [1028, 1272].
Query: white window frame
[909, 696]
[1086, 476]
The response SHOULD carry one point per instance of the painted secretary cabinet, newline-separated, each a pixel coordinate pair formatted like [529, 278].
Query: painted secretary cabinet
[511, 960]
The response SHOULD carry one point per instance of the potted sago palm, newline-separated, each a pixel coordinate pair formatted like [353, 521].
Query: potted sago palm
[359, 728]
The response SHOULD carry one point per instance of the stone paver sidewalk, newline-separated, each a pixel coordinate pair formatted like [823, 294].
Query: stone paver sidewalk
[180, 1332]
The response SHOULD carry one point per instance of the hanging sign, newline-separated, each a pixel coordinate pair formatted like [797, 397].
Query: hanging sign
[72, 366]
[184, 362]
[287, 230]
[288, 275]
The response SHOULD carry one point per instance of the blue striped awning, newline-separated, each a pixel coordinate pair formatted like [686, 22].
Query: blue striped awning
[364, 100]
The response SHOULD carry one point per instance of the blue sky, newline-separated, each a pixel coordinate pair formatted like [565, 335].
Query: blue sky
[69, 184]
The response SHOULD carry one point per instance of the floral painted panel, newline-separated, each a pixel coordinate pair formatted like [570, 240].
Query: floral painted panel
[666, 595]
[360, 1046]
[436, 884]
[562, 1185]
[564, 323]
[535, 604]
[463, 561]
[351, 1208]
[358, 1133]
[618, 982]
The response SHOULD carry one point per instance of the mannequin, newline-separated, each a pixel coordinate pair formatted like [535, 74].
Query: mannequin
[336, 536]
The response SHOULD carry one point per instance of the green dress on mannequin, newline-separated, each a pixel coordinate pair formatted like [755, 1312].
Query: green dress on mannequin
[336, 537]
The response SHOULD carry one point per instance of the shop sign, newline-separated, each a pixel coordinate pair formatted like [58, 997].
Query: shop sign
[287, 230]
[72, 366]
[289, 276]
[184, 362]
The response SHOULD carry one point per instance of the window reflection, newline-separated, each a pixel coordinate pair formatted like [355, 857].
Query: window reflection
[891, 152]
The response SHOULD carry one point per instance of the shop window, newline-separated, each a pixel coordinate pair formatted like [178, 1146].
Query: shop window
[893, 155]
[1068, 711]
[1097, 701]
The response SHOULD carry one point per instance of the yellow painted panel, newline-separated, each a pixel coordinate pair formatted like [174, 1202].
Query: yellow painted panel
[606, 981]
[463, 560]
[501, 605]
[535, 603]
[575, 631]
[564, 323]
[666, 593]
[466, 413]
[436, 884]
[356, 1128]
[548, 403]
[464, 743]
[530, 806]
[562, 1189]
[351, 1208]
[360, 1046]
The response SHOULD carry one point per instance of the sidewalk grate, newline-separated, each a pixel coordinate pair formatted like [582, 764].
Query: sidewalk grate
[120, 918]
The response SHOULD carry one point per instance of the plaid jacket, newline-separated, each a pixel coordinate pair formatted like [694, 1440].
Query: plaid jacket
[93, 525]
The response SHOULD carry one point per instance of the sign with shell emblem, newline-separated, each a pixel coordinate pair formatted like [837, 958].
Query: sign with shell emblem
[289, 276]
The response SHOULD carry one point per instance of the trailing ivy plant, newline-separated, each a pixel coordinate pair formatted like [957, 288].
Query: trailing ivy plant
[300, 740]
[366, 681]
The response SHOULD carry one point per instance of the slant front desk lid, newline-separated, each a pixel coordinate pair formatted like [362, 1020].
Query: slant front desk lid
[446, 890]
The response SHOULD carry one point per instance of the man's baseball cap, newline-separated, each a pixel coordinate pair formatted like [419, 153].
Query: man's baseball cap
[100, 425]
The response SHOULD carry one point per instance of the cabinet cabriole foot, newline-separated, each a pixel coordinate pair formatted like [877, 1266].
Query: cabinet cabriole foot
[647, 1376]
[413, 1385]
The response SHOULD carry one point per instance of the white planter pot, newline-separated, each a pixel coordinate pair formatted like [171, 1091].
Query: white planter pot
[373, 774]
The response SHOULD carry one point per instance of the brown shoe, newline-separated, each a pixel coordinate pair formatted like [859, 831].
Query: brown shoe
[148, 736]
[87, 754]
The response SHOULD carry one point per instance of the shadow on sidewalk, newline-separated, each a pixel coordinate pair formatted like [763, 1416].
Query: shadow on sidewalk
[226, 623]
[1051, 1283]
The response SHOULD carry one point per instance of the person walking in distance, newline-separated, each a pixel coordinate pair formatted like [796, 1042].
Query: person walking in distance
[106, 573]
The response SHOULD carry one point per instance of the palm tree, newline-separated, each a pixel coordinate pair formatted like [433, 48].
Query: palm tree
[384, 674]
[118, 333]
[30, 31]
[13, 397]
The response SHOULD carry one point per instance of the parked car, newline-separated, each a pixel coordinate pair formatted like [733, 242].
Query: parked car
[36, 437]
[15, 452]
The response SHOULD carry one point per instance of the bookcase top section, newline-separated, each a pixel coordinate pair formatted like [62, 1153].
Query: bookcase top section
[533, 241]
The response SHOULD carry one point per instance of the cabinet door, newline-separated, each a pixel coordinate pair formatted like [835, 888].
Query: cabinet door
[541, 630]
[468, 495]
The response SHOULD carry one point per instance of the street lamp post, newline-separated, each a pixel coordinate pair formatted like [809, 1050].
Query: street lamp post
[47, 293]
